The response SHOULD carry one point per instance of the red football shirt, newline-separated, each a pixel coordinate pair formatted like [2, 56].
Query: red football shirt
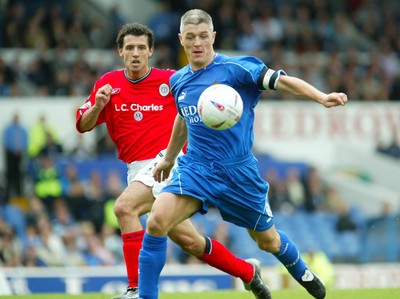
[140, 114]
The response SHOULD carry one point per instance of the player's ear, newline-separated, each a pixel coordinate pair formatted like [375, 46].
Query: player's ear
[180, 39]
[213, 37]
[120, 52]
[151, 51]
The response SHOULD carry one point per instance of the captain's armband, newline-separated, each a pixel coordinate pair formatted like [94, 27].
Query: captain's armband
[271, 78]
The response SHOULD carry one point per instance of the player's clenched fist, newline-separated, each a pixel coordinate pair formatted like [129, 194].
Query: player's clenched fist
[335, 99]
[103, 95]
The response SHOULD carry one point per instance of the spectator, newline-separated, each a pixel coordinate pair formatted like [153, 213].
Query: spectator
[14, 24]
[15, 218]
[47, 183]
[226, 25]
[277, 194]
[61, 219]
[62, 83]
[15, 141]
[112, 242]
[113, 189]
[5, 89]
[95, 195]
[393, 148]
[315, 191]
[50, 247]
[247, 40]
[3, 197]
[295, 189]
[76, 257]
[38, 136]
[386, 214]
[345, 221]
[30, 257]
[74, 192]
[36, 210]
[82, 150]
[7, 79]
[165, 24]
[10, 246]
[96, 253]
[394, 92]
[105, 146]
[34, 35]
[40, 73]
[51, 148]
[267, 27]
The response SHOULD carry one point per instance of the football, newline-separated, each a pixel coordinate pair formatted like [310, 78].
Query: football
[220, 107]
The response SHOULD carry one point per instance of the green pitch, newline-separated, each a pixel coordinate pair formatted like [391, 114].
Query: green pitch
[284, 294]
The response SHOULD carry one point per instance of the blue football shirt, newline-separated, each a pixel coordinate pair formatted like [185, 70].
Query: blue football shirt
[243, 74]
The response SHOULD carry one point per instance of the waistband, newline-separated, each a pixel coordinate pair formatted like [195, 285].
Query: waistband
[226, 163]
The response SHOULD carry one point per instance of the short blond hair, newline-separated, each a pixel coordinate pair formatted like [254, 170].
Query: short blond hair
[196, 17]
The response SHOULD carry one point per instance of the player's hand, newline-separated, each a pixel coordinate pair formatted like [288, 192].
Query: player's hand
[103, 96]
[162, 170]
[335, 99]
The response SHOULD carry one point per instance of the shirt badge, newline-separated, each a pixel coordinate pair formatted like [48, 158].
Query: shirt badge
[164, 89]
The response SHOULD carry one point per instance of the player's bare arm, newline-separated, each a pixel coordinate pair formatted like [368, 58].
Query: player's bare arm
[302, 89]
[89, 118]
[175, 145]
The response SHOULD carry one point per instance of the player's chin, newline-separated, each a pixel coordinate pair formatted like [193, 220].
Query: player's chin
[198, 56]
[136, 66]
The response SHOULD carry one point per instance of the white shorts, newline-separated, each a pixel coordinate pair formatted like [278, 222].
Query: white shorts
[142, 171]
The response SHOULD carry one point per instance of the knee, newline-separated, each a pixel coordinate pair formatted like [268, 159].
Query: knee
[270, 244]
[124, 207]
[156, 225]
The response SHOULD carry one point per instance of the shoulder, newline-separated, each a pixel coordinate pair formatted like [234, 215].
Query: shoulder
[111, 75]
[179, 74]
[239, 60]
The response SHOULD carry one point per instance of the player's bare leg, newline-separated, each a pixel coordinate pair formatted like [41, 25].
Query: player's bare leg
[134, 201]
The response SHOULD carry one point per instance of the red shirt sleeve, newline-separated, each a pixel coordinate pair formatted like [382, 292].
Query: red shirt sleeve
[90, 101]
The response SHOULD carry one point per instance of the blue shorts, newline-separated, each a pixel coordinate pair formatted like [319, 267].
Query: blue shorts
[233, 186]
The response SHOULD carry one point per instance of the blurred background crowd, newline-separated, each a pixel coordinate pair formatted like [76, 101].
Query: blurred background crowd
[351, 46]
[59, 48]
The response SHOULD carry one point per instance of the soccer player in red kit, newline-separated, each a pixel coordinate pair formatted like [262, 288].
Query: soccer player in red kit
[138, 109]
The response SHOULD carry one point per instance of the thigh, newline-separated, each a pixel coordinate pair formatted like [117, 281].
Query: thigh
[169, 210]
[136, 196]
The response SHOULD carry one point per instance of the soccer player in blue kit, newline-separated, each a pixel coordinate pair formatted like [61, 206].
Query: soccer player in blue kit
[219, 168]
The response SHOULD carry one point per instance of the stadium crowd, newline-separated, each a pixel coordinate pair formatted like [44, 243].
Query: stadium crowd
[336, 45]
[351, 46]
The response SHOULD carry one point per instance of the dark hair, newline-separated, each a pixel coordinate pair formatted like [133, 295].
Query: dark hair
[135, 29]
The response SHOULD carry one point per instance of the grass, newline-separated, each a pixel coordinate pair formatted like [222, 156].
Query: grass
[283, 294]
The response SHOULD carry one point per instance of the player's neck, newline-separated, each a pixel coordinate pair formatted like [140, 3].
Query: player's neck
[199, 66]
[134, 76]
